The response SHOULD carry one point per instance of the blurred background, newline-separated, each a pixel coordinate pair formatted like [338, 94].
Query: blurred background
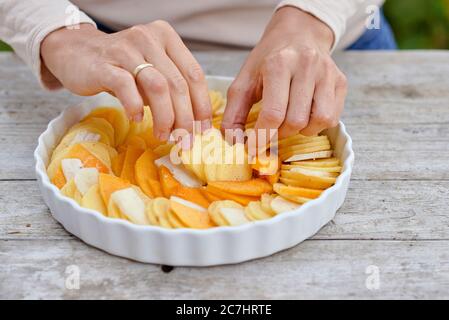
[417, 24]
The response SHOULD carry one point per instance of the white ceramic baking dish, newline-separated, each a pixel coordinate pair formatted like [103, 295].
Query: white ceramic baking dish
[187, 247]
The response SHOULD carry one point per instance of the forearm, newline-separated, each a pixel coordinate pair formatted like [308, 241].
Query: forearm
[24, 24]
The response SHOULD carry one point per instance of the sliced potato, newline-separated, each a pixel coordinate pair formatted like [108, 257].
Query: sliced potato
[254, 211]
[317, 173]
[306, 181]
[117, 118]
[151, 215]
[70, 190]
[309, 156]
[234, 216]
[283, 189]
[192, 158]
[299, 139]
[288, 155]
[335, 170]
[325, 162]
[92, 199]
[98, 125]
[215, 211]
[80, 135]
[281, 205]
[174, 221]
[161, 208]
[265, 203]
[132, 203]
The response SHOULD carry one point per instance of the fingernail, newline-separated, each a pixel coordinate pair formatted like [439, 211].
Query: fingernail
[187, 142]
[206, 125]
[162, 136]
[138, 117]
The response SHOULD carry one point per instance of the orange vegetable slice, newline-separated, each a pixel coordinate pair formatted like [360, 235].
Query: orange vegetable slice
[76, 151]
[172, 187]
[241, 199]
[254, 187]
[109, 184]
[146, 174]
[209, 196]
[132, 154]
[168, 183]
[190, 217]
[117, 163]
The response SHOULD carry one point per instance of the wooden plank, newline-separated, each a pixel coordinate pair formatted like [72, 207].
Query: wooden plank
[21, 98]
[388, 152]
[379, 210]
[17, 144]
[315, 269]
[397, 75]
[372, 112]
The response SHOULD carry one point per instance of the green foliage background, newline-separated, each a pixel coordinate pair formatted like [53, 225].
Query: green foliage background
[418, 24]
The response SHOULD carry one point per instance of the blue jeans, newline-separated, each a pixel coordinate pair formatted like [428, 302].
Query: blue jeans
[376, 39]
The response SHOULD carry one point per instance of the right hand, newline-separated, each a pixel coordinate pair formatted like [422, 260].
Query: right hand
[87, 61]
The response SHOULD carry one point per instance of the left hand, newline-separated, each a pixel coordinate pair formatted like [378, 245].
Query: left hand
[292, 71]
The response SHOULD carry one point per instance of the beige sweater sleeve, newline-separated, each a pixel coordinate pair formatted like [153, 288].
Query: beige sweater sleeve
[25, 23]
[335, 13]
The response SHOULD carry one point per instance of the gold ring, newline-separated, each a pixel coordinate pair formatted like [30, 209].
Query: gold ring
[140, 67]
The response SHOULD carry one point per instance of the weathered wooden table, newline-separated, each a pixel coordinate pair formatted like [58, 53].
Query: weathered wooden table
[393, 227]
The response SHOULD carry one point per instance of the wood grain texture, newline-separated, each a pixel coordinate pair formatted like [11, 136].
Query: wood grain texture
[316, 268]
[395, 215]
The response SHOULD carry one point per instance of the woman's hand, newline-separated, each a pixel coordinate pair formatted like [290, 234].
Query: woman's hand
[291, 70]
[87, 61]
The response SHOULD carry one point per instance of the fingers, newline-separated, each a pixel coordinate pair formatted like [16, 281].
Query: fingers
[275, 96]
[178, 89]
[300, 103]
[194, 76]
[155, 87]
[324, 113]
[121, 83]
[341, 90]
[160, 45]
[240, 98]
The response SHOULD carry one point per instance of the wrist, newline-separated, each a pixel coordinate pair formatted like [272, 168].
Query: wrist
[58, 45]
[295, 21]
